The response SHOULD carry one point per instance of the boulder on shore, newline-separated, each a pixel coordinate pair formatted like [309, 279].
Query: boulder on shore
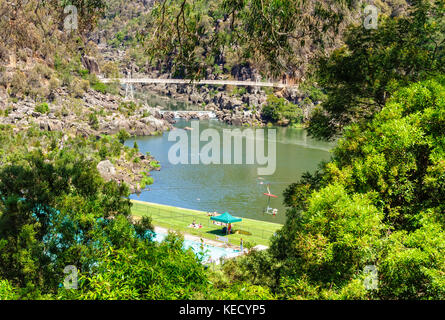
[106, 169]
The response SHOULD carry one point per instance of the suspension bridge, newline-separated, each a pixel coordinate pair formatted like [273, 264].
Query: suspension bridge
[246, 83]
[182, 114]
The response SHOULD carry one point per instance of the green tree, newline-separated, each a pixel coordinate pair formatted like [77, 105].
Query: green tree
[360, 77]
[57, 213]
[379, 201]
[123, 135]
[280, 111]
[88, 11]
[148, 272]
[191, 36]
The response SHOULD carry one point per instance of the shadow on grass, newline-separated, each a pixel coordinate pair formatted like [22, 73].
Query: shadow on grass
[220, 232]
[217, 232]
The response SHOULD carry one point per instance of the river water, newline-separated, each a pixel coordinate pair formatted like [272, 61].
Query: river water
[236, 188]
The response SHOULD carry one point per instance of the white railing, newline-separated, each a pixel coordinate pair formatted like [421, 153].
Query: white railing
[199, 82]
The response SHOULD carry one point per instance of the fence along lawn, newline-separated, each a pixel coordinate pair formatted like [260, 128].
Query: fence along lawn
[179, 219]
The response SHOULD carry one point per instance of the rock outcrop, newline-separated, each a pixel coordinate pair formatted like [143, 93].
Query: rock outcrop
[91, 64]
[95, 114]
[106, 168]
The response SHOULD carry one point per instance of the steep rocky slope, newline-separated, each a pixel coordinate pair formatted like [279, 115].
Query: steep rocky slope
[48, 82]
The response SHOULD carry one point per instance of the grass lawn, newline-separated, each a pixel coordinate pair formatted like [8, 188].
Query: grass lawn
[178, 219]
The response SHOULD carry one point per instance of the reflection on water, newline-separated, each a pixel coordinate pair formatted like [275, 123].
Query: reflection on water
[234, 188]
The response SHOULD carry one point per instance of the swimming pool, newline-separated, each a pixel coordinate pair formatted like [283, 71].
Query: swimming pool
[211, 253]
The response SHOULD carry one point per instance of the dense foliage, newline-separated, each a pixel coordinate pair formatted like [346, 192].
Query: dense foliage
[266, 33]
[57, 211]
[360, 76]
[380, 202]
[276, 37]
[147, 271]
[282, 112]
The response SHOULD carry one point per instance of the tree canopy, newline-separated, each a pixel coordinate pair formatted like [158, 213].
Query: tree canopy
[380, 202]
[360, 76]
[191, 36]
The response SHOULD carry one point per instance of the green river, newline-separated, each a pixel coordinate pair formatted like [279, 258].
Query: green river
[236, 188]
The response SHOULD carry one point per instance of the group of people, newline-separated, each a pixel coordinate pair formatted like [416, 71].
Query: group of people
[195, 225]
[228, 229]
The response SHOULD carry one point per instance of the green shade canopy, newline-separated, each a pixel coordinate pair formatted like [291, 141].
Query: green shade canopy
[226, 218]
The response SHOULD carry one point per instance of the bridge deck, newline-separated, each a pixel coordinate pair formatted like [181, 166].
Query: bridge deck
[200, 82]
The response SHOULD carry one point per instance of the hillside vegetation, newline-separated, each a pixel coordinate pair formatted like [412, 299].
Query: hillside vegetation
[246, 40]
[369, 224]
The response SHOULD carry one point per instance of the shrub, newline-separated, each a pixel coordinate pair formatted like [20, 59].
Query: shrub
[146, 114]
[43, 70]
[281, 111]
[42, 108]
[7, 291]
[154, 164]
[100, 87]
[110, 70]
[78, 87]
[18, 84]
[123, 135]
[103, 152]
[94, 122]
[97, 85]
[146, 181]
[54, 83]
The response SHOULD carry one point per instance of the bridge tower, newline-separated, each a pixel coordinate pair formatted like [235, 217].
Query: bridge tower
[129, 90]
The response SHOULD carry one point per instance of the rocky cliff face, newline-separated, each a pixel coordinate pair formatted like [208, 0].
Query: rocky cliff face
[233, 105]
[95, 113]
[242, 108]
[92, 115]
[48, 82]
[232, 109]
